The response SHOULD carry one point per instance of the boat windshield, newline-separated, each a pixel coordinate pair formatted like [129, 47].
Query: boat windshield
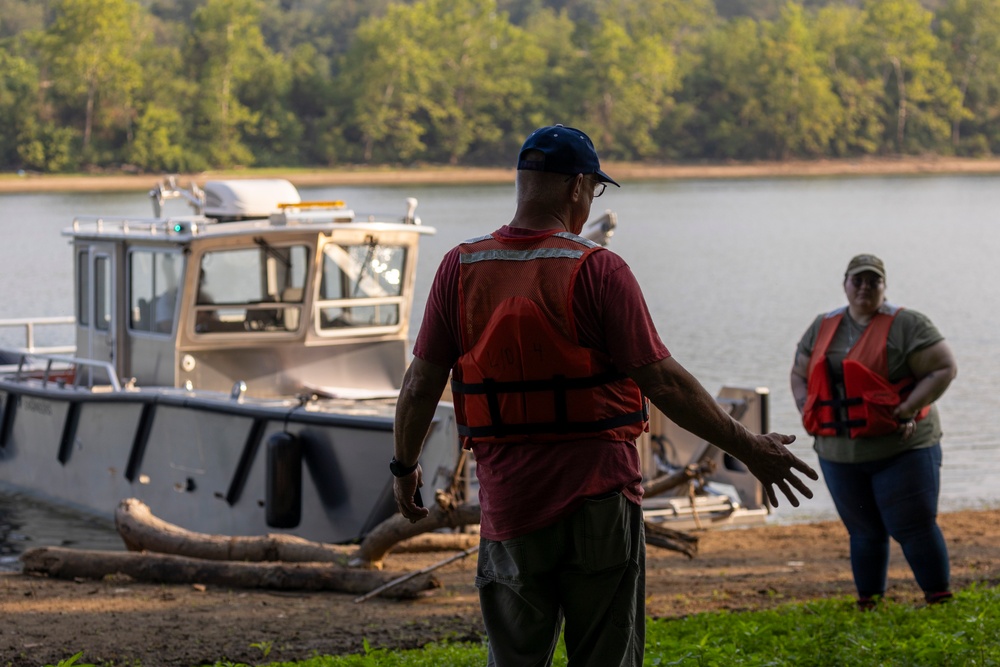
[255, 289]
[361, 286]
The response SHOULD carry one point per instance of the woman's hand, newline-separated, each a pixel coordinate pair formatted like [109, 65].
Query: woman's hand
[907, 427]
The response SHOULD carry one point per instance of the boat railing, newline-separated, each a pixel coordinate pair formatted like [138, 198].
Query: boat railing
[29, 326]
[63, 370]
[126, 226]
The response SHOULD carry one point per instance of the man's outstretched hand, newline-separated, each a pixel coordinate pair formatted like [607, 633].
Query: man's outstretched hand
[771, 462]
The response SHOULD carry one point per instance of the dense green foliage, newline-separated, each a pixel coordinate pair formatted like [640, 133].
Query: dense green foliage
[185, 85]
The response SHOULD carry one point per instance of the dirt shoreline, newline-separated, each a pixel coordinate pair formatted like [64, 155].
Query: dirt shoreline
[118, 621]
[899, 166]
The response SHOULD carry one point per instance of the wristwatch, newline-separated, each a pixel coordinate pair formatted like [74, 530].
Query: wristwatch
[398, 469]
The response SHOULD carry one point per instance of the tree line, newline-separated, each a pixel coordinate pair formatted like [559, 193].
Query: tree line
[186, 85]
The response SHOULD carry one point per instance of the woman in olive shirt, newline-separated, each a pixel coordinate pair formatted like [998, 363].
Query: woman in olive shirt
[865, 378]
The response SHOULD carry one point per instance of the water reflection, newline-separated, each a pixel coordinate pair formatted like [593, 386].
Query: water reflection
[26, 523]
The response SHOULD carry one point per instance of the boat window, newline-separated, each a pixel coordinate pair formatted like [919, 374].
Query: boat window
[102, 293]
[251, 289]
[361, 286]
[154, 281]
[83, 288]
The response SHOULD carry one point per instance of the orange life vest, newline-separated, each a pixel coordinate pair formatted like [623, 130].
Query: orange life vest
[523, 374]
[865, 408]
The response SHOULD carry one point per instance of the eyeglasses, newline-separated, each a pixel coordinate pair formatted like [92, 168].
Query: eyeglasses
[599, 186]
[872, 280]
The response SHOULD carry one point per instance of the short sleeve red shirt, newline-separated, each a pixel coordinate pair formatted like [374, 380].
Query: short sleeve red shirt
[525, 487]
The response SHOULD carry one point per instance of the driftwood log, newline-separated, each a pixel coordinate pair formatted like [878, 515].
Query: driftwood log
[394, 530]
[436, 542]
[667, 538]
[169, 569]
[141, 530]
[161, 552]
[658, 485]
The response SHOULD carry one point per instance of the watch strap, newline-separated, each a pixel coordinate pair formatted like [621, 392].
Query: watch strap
[399, 470]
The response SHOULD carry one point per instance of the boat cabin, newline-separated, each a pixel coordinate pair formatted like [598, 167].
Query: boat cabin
[257, 291]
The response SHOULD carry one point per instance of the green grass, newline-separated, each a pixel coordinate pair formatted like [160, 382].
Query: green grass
[835, 633]
[825, 633]
[962, 633]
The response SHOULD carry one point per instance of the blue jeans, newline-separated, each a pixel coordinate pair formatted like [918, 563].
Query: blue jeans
[895, 497]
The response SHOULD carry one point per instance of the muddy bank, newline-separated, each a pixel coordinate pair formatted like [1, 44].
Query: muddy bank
[118, 620]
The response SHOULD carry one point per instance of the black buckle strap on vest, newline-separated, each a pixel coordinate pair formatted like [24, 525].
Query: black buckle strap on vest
[842, 426]
[582, 428]
[559, 386]
[837, 403]
[493, 402]
[559, 400]
[524, 386]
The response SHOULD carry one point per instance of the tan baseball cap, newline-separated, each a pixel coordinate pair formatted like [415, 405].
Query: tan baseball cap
[862, 263]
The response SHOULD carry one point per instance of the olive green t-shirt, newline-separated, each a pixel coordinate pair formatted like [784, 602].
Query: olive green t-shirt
[910, 332]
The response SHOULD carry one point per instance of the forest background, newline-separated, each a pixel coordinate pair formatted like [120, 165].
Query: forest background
[190, 85]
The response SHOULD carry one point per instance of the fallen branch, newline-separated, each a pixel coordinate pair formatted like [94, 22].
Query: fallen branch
[167, 569]
[667, 538]
[142, 531]
[406, 577]
[436, 542]
[394, 530]
[658, 485]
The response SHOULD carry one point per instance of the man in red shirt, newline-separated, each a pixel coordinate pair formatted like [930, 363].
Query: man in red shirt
[551, 351]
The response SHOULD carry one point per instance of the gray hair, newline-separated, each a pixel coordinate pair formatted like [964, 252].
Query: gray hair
[540, 186]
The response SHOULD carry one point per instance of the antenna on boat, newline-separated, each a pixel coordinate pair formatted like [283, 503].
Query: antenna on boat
[411, 207]
[168, 189]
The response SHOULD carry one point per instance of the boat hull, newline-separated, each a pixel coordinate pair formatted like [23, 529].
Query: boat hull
[214, 464]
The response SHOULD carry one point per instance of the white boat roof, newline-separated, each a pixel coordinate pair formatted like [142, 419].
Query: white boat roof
[250, 198]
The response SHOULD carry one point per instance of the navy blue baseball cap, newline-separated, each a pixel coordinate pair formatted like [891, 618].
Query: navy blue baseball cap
[567, 150]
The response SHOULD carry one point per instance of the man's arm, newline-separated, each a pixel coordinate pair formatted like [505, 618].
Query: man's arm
[678, 395]
[423, 385]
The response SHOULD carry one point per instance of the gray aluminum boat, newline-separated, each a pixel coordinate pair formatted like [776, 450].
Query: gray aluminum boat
[236, 369]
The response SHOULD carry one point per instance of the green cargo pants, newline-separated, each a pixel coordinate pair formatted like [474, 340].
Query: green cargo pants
[589, 569]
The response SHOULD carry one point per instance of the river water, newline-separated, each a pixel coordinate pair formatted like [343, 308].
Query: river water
[733, 272]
